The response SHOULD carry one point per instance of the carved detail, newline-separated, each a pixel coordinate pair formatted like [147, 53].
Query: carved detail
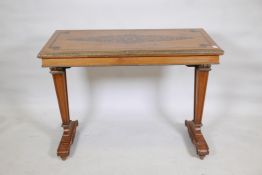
[203, 67]
[59, 77]
[201, 77]
[58, 70]
[67, 139]
[197, 139]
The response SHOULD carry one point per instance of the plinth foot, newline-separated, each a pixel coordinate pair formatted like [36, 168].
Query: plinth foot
[197, 139]
[67, 139]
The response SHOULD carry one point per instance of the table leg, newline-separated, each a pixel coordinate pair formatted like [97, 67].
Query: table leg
[59, 77]
[194, 126]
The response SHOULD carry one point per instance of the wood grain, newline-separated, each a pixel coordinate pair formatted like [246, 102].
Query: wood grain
[83, 48]
[197, 139]
[67, 139]
[129, 43]
[194, 126]
[83, 62]
[59, 78]
[69, 126]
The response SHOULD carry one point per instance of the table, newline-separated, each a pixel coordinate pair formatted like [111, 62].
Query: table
[84, 48]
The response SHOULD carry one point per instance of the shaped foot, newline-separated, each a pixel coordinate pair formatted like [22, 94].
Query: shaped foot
[197, 139]
[67, 139]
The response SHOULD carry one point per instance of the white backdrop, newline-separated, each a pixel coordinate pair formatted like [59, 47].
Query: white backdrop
[131, 118]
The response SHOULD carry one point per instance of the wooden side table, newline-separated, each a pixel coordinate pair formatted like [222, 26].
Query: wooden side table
[84, 48]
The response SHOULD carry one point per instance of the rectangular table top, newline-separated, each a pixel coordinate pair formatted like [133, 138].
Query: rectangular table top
[75, 48]
[129, 43]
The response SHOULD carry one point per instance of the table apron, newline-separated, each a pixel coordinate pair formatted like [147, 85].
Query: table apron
[125, 61]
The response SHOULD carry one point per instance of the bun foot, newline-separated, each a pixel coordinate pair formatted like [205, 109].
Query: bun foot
[67, 139]
[197, 139]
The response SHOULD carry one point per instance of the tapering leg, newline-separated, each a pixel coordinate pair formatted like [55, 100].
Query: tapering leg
[194, 126]
[59, 77]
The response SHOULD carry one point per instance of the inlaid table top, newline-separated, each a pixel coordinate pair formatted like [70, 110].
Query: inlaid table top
[75, 48]
[121, 45]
